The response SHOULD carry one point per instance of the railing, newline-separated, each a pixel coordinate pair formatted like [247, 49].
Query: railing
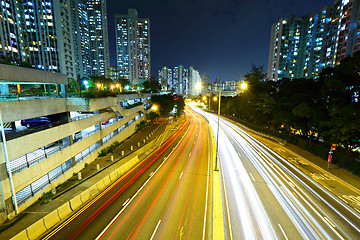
[23, 96]
[29, 159]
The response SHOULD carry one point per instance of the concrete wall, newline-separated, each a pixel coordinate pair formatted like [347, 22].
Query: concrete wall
[24, 109]
[29, 175]
[14, 74]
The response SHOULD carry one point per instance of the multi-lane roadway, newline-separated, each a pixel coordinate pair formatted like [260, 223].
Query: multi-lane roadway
[166, 197]
[269, 195]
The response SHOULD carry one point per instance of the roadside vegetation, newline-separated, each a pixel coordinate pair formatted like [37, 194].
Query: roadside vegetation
[311, 113]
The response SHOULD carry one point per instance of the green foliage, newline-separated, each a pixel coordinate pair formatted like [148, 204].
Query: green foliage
[166, 104]
[93, 93]
[328, 105]
[153, 116]
[151, 85]
[133, 105]
[141, 125]
[109, 149]
[47, 195]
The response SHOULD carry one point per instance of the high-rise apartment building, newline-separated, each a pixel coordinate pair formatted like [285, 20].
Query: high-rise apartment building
[181, 80]
[165, 79]
[54, 35]
[286, 48]
[10, 31]
[302, 46]
[133, 46]
[99, 62]
[194, 82]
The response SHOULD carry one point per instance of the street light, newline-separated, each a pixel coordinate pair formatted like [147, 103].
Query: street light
[217, 138]
[154, 107]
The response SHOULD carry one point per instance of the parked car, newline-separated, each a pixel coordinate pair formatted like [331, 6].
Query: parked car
[39, 121]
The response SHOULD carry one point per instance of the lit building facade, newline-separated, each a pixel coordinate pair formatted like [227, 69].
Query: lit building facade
[181, 80]
[286, 48]
[54, 35]
[99, 62]
[165, 79]
[303, 46]
[194, 82]
[133, 46]
[10, 32]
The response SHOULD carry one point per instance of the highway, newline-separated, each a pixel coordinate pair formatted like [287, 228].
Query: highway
[166, 197]
[269, 196]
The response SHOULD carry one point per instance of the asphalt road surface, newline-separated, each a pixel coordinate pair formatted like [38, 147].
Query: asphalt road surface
[267, 196]
[165, 197]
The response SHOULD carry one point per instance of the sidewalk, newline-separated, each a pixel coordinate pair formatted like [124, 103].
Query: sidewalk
[90, 175]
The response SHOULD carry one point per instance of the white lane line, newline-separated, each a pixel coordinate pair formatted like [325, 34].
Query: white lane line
[332, 226]
[189, 154]
[252, 177]
[282, 230]
[119, 213]
[127, 200]
[291, 184]
[329, 222]
[207, 193]
[181, 175]
[239, 155]
[152, 173]
[153, 235]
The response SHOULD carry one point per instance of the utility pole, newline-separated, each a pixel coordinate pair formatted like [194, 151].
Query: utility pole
[217, 138]
[7, 165]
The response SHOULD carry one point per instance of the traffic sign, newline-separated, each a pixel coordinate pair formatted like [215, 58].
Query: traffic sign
[333, 146]
[329, 158]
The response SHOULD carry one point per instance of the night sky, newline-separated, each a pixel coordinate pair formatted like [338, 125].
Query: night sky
[220, 38]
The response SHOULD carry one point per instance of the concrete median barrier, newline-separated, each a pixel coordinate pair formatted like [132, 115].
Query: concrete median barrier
[93, 190]
[114, 175]
[35, 230]
[64, 210]
[106, 181]
[51, 219]
[100, 185]
[21, 236]
[75, 202]
[85, 195]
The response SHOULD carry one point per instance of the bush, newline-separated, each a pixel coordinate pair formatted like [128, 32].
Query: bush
[141, 125]
[103, 152]
[109, 149]
[99, 94]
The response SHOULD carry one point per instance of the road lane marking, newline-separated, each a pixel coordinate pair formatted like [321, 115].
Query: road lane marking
[239, 155]
[123, 209]
[153, 235]
[332, 226]
[189, 154]
[127, 200]
[282, 230]
[181, 175]
[152, 173]
[252, 177]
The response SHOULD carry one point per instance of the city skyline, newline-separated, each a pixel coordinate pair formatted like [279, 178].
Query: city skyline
[182, 34]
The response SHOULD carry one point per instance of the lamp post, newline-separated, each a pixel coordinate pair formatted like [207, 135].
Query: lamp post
[217, 138]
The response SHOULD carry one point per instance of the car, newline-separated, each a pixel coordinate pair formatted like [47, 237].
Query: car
[39, 121]
[105, 122]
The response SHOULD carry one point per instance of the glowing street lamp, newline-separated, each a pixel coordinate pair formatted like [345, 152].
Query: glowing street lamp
[98, 85]
[154, 108]
[243, 86]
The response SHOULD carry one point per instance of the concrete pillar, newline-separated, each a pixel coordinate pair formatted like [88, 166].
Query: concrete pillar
[97, 167]
[79, 176]
[122, 153]
[132, 148]
[112, 158]
[138, 144]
